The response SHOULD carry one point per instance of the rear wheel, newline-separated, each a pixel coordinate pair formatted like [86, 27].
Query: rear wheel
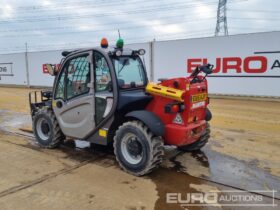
[46, 129]
[199, 143]
[137, 150]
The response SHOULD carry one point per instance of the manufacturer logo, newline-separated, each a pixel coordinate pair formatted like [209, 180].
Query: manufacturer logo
[255, 64]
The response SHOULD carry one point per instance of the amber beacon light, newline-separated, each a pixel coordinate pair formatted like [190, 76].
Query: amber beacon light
[104, 43]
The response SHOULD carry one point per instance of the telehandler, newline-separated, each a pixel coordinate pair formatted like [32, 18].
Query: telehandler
[102, 95]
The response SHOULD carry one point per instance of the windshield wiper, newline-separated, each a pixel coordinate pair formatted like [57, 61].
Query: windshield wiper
[124, 63]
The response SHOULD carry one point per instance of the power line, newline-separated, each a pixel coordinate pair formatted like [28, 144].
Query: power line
[37, 14]
[141, 11]
[259, 19]
[85, 4]
[178, 19]
[96, 4]
[89, 44]
[274, 12]
[62, 4]
[251, 28]
[99, 30]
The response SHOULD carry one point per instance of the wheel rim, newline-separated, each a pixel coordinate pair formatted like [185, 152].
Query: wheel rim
[131, 148]
[43, 129]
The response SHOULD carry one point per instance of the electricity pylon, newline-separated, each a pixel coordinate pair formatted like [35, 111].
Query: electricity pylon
[221, 26]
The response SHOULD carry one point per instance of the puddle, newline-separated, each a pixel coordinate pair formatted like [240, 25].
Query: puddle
[225, 173]
[16, 122]
[240, 174]
[170, 181]
[222, 169]
[174, 180]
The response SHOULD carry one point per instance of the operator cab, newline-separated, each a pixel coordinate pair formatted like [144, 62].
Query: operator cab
[96, 86]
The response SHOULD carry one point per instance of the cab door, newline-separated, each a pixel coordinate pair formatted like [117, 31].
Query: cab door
[103, 87]
[73, 101]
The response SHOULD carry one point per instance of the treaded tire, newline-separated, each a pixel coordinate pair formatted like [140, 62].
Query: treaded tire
[199, 143]
[55, 136]
[152, 148]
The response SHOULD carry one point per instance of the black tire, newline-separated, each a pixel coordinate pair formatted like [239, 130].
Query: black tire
[46, 129]
[134, 137]
[199, 143]
[208, 116]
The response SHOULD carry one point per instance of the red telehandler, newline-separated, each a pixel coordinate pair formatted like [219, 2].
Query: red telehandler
[102, 95]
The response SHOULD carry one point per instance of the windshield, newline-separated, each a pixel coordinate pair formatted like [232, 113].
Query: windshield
[129, 71]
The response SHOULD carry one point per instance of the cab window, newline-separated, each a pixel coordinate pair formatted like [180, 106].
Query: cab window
[78, 76]
[129, 71]
[74, 78]
[59, 93]
[102, 73]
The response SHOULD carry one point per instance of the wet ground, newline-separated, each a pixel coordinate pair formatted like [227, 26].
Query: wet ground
[242, 155]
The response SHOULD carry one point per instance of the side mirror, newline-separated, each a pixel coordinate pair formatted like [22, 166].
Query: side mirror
[51, 69]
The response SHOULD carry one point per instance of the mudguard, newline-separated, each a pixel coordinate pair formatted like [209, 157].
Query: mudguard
[152, 121]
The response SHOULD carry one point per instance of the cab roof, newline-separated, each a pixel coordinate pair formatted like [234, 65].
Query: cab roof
[108, 50]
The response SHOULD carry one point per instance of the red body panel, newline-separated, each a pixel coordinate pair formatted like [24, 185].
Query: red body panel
[193, 115]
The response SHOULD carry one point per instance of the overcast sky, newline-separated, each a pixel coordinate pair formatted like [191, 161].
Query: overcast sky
[54, 24]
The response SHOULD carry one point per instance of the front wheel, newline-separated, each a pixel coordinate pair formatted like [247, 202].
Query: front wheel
[137, 150]
[46, 129]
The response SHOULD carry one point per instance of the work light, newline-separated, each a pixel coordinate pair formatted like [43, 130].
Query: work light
[141, 52]
[118, 53]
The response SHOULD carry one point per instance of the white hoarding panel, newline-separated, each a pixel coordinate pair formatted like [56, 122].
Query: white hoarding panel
[244, 64]
[13, 69]
[37, 74]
